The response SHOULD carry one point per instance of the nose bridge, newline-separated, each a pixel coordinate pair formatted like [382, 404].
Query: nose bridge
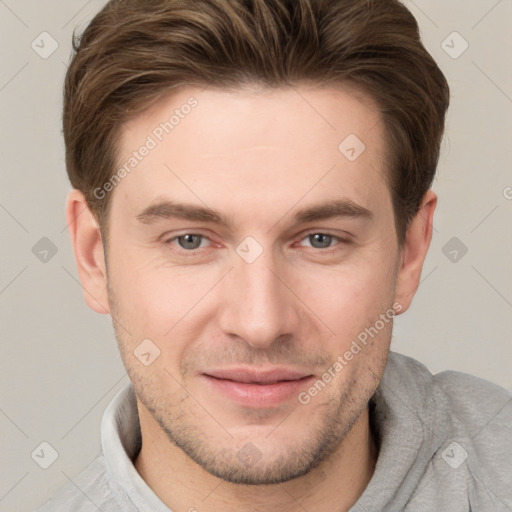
[257, 306]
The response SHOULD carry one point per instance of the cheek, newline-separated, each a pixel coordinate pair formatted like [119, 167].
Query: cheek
[153, 297]
[351, 298]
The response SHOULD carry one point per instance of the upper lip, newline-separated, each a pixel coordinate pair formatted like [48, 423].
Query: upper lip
[258, 376]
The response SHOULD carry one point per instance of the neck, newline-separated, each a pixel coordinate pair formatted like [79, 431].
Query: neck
[181, 484]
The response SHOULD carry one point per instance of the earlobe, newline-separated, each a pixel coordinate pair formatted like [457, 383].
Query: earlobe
[414, 251]
[89, 254]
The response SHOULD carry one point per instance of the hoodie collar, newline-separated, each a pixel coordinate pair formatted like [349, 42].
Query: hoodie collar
[409, 417]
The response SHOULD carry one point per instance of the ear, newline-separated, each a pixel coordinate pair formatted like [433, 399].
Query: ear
[414, 251]
[88, 247]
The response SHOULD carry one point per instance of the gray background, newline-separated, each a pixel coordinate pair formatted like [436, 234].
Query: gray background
[59, 365]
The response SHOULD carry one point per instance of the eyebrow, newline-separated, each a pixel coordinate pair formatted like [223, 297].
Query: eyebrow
[342, 208]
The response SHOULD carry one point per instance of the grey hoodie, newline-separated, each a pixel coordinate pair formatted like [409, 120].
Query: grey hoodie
[445, 444]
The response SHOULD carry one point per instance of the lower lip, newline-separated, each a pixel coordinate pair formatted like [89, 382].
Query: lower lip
[259, 395]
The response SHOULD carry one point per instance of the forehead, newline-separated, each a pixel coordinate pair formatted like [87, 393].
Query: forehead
[284, 146]
[331, 111]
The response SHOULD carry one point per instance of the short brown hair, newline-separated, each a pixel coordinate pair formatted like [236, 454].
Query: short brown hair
[136, 51]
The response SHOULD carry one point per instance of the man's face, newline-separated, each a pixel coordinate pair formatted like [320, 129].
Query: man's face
[247, 316]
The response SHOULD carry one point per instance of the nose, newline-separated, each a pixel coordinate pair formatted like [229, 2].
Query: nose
[258, 303]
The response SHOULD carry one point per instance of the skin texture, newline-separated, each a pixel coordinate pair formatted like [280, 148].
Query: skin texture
[257, 156]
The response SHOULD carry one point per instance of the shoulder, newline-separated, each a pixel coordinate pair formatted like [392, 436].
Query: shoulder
[480, 408]
[481, 416]
[472, 402]
[89, 491]
[475, 418]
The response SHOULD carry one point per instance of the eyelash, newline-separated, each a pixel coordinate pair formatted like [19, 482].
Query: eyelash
[196, 252]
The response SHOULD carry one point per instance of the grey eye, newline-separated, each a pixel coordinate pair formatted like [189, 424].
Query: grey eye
[323, 241]
[190, 241]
